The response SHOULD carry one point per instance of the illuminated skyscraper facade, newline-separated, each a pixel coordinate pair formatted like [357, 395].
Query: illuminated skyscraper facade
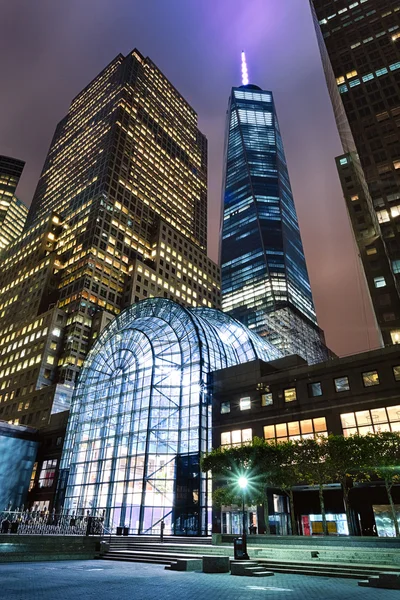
[265, 282]
[13, 212]
[119, 214]
[359, 45]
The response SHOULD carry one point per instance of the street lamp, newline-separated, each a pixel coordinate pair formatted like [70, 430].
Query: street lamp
[243, 482]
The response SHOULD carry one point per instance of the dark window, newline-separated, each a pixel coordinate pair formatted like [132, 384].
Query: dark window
[225, 408]
[342, 384]
[396, 372]
[314, 389]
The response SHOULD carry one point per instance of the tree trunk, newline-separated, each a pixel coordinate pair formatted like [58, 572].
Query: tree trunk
[349, 516]
[389, 486]
[266, 513]
[322, 505]
[293, 521]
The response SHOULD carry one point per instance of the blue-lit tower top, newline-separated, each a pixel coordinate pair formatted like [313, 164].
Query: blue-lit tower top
[265, 282]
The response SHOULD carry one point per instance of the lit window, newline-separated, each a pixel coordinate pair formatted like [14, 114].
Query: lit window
[295, 430]
[383, 216]
[396, 372]
[351, 74]
[395, 335]
[314, 389]
[343, 161]
[56, 331]
[371, 251]
[266, 399]
[396, 266]
[269, 432]
[342, 384]
[225, 408]
[319, 424]
[379, 282]
[247, 435]
[237, 437]
[290, 394]
[370, 378]
[371, 421]
[226, 438]
[47, 473]
[340, 80]
[354, 198]
[245, 403]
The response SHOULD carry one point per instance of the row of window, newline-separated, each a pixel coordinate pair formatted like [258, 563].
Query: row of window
[370, 378]
[361, 422]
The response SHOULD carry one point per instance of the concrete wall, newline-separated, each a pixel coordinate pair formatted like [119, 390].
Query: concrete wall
[29, 548]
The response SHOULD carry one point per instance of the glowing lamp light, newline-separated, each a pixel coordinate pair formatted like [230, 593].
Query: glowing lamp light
[242, 481]
[245, 73]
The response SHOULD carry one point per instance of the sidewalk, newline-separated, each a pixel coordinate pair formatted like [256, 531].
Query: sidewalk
[102, 580]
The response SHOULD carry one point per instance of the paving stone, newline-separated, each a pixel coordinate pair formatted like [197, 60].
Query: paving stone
[108, 580]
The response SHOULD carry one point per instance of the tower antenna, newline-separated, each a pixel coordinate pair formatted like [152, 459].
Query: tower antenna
[245, 73]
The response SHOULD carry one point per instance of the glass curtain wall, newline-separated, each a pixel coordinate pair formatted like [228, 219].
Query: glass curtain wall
[140, 416]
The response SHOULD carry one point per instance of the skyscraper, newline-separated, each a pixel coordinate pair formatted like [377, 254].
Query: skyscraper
[119, 214]
[359, 44]
[13, 212]
[265, 282]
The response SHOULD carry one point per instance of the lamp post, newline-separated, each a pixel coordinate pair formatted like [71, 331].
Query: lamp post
[242, 481]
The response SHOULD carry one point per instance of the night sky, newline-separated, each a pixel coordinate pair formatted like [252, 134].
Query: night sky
[49, 50]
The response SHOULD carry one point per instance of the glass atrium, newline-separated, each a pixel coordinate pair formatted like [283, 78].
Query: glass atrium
[141, 416]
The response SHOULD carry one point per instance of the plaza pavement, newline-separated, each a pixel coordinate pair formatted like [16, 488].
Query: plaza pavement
[108, 580]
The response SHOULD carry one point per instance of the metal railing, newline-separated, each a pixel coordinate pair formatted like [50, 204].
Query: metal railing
[49, 523]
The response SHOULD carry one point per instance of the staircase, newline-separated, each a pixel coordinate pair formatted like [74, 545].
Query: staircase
[147, 549]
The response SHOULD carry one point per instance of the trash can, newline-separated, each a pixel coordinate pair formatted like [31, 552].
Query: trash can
[126, 531]
[119, 530]
[239, 549]
[14, 527]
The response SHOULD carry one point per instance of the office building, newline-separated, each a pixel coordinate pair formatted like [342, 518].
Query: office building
[265, 282]
[141, 417]
[359, 45]
[13, 212]
[286, 399]
[119, 214]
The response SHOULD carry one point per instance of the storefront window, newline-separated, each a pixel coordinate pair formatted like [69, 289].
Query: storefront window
[293, 428]
[308, 428]
[371, 421]
[237, 437]
[269, 432]
[226, 438]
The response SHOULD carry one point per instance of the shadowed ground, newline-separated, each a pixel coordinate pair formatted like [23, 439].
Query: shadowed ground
[102, 580]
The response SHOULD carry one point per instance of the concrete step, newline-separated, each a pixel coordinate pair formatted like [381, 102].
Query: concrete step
[168, 539]
[257, 572]
[139, 559]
